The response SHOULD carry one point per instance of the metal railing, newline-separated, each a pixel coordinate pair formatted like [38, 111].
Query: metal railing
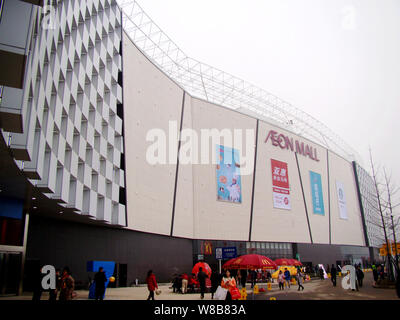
[211, 84]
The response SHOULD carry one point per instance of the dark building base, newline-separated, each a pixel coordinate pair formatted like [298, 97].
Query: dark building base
[61, 243]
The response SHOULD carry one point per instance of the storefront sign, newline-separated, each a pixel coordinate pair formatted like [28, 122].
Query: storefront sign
[284, 142]
[280, 185]
[225, 253]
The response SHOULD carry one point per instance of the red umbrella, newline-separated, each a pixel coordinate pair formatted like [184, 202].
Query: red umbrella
[250, 261]
[296, 263]
[284, 262]
[206, 268]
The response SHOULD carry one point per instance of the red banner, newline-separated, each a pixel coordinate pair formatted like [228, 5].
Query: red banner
[280, 183]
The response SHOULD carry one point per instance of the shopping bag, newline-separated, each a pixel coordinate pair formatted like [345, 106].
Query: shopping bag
[220, 294]
[235, 293]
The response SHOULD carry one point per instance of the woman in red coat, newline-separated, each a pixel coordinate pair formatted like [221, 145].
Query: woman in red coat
[151, 284]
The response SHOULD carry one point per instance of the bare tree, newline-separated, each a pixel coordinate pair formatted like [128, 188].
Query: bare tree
[382, 206]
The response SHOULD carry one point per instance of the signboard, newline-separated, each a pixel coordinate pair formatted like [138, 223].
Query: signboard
[280, 185]
[225, 253]
[229, 185]
[316, 193]
[341, 200]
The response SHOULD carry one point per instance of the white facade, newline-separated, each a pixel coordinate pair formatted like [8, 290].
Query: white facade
[151, 101]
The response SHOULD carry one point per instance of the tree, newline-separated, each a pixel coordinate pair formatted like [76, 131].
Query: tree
[385, 209]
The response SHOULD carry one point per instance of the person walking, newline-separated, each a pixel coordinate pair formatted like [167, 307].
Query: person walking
[360, 276]
[201, 277]
[253, 275]
[185, 282]
[375, 275]
[244, 278]
[100, 280]
[151, 284]
[54, 292]
[333, 275]
[287, 277]
[214, 283]
[300, 279]
[228, 283]
[37, 285]
[321, 273]
[281, 280]
[67, 285]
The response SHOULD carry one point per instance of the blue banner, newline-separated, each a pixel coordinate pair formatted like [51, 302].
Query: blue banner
[316, 193]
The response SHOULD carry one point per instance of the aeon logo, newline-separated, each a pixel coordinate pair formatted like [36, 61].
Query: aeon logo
[284, 142]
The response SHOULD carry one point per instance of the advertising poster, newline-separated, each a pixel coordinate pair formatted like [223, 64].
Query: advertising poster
[341, 201]
[280, 185]
[316, 193]
[229, 183]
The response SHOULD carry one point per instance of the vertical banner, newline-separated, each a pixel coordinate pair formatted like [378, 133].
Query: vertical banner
[316, 193]
[341, 200]
[229, 183]
[280, 185]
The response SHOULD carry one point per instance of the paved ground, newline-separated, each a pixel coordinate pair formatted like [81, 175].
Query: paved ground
[314, 290]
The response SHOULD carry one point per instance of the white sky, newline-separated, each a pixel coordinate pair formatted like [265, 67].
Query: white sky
[337, 60]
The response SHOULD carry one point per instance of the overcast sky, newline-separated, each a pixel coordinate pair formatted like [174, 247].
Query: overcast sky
[337, 60]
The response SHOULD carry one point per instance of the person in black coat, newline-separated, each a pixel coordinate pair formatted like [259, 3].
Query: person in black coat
[37, 284]
[201, 276]
[333, 275]
[100, 280]
[215, 282]
[360, 276]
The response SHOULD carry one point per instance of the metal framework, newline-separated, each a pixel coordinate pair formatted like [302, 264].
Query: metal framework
[211, 84]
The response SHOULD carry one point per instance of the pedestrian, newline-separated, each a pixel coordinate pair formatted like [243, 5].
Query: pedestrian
[375, 275]
[281, 280]
[201, 277]
[215, 281]
[54, 292]
[269, 277]
[238, 277]
[100, 280]
[253, 275]
[287, 277]
[192, 282]
[175, 283]
[321, 273]
[244, 278]
[37, 285]
[185, 282]
[67, 285]
[360, 276]
[151, 284]
[228, 283]
[300, 280]
[333, 275]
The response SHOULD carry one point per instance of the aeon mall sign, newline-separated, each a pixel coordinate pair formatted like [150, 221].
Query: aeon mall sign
[284, 142]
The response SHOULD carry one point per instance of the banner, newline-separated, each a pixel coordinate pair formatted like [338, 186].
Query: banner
[280, 185]
[229, 183]
[316, 193]
[341, 200]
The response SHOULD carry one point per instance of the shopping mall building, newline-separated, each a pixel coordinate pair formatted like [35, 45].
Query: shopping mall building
[115, 146]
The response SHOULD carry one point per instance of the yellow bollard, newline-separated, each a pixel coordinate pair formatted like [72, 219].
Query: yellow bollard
[272, 298]
[243, 294]
[329, 275]
[255, 290]
[293, 281]
[269, 286]
[340, 274]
